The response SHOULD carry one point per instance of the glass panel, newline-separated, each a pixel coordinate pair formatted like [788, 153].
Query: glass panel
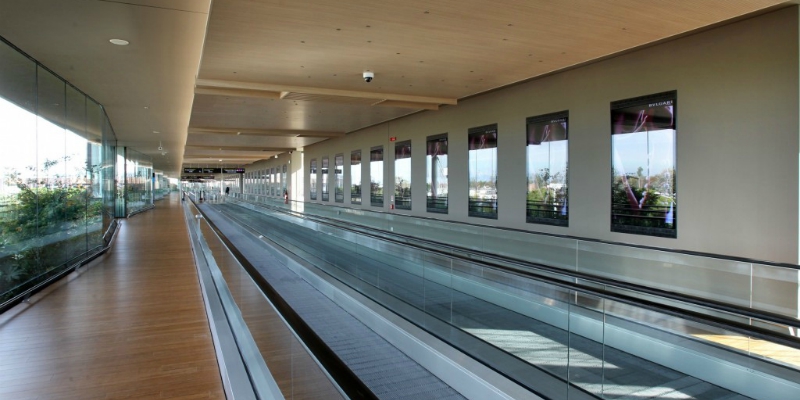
[483, 172]
[78, 163]
[138, 181]
[644, 198]
[436, 173]
[547, 169]
[355, 177]
[285, 183]
[402, 175]
[376, 177]
[325, 179]
[339, 176]
[61, 210]
[278, 182]
[272, 182]
[312, 180]
[18, 189]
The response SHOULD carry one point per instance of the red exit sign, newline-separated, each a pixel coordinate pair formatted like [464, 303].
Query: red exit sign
[393, 139]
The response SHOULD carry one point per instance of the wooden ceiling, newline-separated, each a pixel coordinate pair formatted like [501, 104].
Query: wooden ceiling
[277, 75]
[297, 66]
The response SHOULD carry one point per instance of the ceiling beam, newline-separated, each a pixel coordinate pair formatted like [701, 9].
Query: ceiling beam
[237, 92]
[283, 90]
[407, 104]
[215, 157]
[264, 132]
[238, 148]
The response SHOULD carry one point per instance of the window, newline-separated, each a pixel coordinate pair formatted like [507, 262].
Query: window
[325, 179]
[376, 176]
[312, 180]
[355, 177]
[338, 173]
[402, 175]
[278, 180]
[643, 194]
[483, 171]
[285, 183]
[273, 188]
[436, 167]
[547, 152]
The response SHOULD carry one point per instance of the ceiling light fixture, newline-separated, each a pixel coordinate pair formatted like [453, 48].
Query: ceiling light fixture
[119, 42]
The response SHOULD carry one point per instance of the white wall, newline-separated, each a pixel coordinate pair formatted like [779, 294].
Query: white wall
[737, 152]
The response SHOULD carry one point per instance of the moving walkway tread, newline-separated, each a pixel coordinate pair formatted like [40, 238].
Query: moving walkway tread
[384, 369]
[593, 367]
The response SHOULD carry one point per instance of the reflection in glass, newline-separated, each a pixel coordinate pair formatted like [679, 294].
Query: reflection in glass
[278, 182]
[285, 190]
[273, 189]
[355, 177]
[376, 177]
[547, 169]
[402, 175]
[57, 163]
[644, 198]
[436, 171]
[138, 182]
[325, 179]
[339, 176]
[483, 171]
[312, 180]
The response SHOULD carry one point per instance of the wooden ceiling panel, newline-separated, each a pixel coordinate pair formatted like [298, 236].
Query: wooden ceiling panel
[298, 65]
[259, 113]
[450, 48]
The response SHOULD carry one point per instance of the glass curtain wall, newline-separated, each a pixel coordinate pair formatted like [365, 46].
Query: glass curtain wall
[138, 181]
[402, 175]
[355, 177]
[436, 167]
[56, 163]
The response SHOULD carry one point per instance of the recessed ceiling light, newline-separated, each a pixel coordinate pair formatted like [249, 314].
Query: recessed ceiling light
[119, 42]
[156, 132]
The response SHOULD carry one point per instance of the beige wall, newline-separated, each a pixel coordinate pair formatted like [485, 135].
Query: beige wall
[737, 155]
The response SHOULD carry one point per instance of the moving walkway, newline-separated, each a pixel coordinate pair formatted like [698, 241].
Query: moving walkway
[555, 334]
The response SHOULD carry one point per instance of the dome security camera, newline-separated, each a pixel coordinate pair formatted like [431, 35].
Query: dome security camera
[368, 76]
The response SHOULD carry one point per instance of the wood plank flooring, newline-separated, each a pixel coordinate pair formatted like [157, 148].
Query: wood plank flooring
[132, 324]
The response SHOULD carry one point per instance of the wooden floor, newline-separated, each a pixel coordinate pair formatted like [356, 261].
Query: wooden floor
[132, 324]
